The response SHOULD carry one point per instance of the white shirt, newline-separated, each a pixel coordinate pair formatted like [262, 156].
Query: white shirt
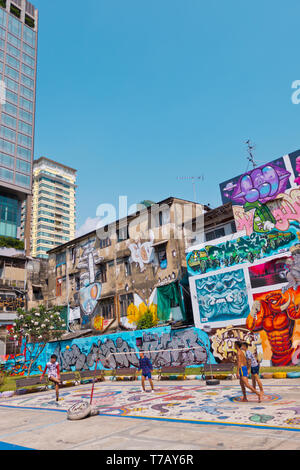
[250, 356]
[52, 369]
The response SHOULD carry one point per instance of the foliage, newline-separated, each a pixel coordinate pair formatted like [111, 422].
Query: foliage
[29, 21]
[38, 325]
[36, 328]
[144, 317]
[9, 242]
[15, 11]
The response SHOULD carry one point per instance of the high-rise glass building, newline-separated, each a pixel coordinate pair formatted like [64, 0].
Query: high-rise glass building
[53, 206]
[18, 64]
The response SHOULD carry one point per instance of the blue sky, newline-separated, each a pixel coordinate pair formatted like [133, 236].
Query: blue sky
[135, 94]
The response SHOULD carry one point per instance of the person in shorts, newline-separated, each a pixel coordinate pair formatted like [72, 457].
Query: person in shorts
[145, 366]
[242, 372]
[53, 373]
[253, 364]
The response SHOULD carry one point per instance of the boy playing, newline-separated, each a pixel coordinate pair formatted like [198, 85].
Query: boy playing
[146, 367]
[253, 363]
[242, 372]
[53, 373]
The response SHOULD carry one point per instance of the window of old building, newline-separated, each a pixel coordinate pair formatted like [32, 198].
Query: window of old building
[161, 256]
[101, 274]
[107, 308]
[58, 287]
[125, 301]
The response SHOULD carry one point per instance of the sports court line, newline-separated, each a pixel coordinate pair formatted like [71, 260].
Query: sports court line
[174, 420]
[34, 408]
[7, 446]
[212, 423]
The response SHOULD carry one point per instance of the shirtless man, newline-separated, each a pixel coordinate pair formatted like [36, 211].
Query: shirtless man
[242, 372]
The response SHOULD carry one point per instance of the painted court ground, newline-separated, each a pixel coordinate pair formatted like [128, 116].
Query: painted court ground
[179, 415]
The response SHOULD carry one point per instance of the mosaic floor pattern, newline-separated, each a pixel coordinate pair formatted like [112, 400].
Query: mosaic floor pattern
[279, 409]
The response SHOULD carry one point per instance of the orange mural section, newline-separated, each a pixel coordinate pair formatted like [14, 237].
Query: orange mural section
[276, 317]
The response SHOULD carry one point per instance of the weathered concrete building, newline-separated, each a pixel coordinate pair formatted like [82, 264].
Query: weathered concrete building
[23, 284]
[137, 259]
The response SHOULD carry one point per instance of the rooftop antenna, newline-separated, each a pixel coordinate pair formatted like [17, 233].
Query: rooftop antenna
[250, 149]
[193, 179]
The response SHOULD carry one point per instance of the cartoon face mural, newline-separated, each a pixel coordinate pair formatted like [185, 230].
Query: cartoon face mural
[222, 297]
[275, 314]
[241, 250]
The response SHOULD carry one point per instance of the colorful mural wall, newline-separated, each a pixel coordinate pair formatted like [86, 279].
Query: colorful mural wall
[90, 288]
[164, 346]
[248, 285]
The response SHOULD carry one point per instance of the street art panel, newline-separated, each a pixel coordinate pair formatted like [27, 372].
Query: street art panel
[10, 302]
[261, 184]
[295, 162]
[222, 297]
[90, 289]
[240, 250]
[293, 269]
[163, 346]
[280, 213]
[270, 273]
[224, 342]
[142, 253]
[276, 316]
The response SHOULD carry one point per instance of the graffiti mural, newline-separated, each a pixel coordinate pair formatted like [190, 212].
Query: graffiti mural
[189, 346]
[277, 315]
[11, 302]
[293, 270]
[295, 162]
[240, 250]
[90, 289]
[280, 213]
[261, 184]
[223, 296]
[223, 342]
[142, 253]
[269, 273]
[179, 341]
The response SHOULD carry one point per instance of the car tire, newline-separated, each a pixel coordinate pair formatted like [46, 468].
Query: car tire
[212, 382]
[80, 410]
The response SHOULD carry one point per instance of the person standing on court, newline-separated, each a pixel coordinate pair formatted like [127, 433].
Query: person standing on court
[145, 366]
[53, 373]
[242, 372]
[254, 364]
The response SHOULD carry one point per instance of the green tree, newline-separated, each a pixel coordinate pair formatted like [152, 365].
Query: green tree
[36, 328]
[146, 321]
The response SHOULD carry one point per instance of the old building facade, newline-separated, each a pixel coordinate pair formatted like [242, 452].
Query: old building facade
[138, 259]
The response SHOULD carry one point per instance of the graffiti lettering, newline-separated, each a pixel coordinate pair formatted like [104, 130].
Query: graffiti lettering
[261, 184]
[242, 250]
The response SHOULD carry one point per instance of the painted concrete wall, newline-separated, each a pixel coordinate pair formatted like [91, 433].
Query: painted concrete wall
[189, 346]
[247, 286]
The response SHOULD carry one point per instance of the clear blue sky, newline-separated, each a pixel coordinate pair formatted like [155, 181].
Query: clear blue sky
[135, 93]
